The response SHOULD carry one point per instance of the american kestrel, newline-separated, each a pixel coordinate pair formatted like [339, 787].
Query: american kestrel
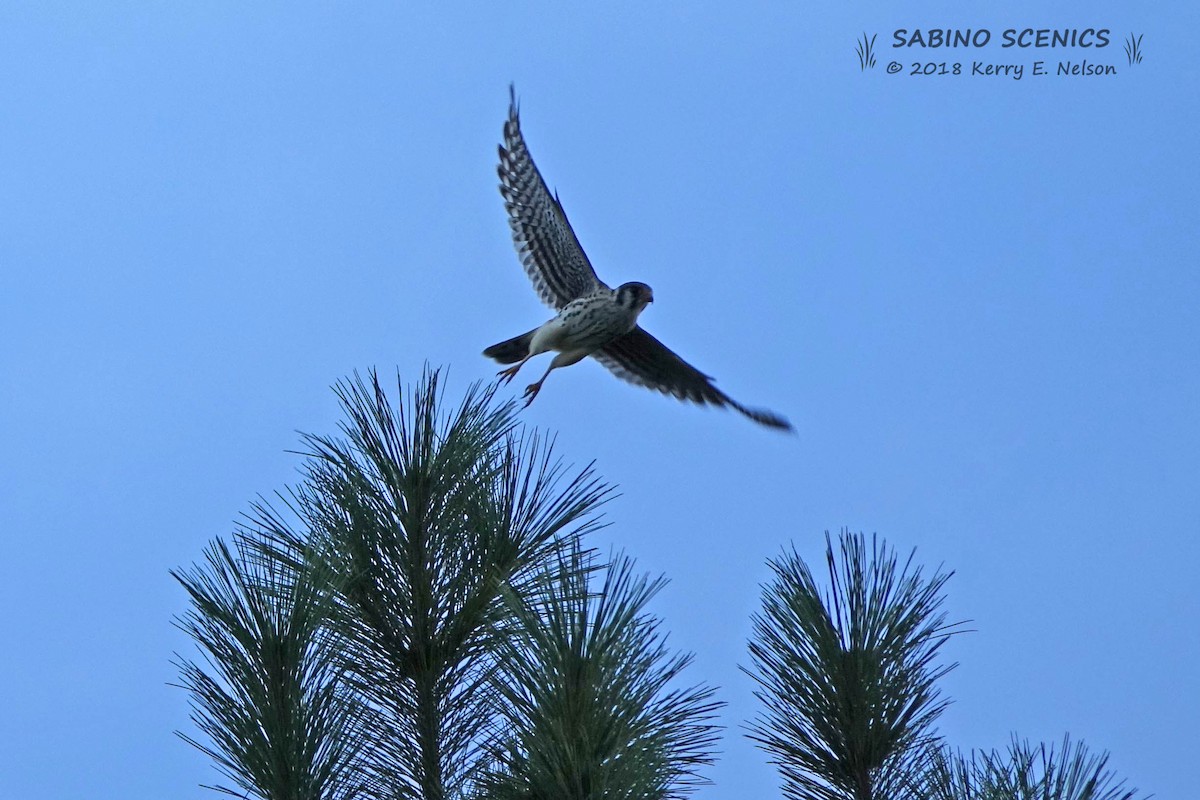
[592, 320]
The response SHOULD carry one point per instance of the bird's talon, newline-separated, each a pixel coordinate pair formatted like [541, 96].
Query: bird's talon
[531, 391]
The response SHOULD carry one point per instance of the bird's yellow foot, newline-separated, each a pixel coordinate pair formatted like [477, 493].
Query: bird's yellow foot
[532, 391]
[507, 375]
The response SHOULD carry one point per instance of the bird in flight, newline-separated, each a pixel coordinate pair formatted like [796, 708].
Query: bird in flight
[593, 319]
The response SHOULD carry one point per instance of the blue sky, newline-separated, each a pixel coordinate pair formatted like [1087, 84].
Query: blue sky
[976, 298]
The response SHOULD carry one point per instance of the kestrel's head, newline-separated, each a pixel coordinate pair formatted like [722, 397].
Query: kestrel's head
[634, 295]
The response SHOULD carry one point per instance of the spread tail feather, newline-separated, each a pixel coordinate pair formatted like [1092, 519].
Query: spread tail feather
[512, 350]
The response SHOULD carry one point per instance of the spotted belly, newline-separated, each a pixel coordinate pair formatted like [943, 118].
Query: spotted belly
[588, 323]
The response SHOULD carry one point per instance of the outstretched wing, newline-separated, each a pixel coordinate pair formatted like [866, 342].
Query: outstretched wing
[549, 251]
[641, 359]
